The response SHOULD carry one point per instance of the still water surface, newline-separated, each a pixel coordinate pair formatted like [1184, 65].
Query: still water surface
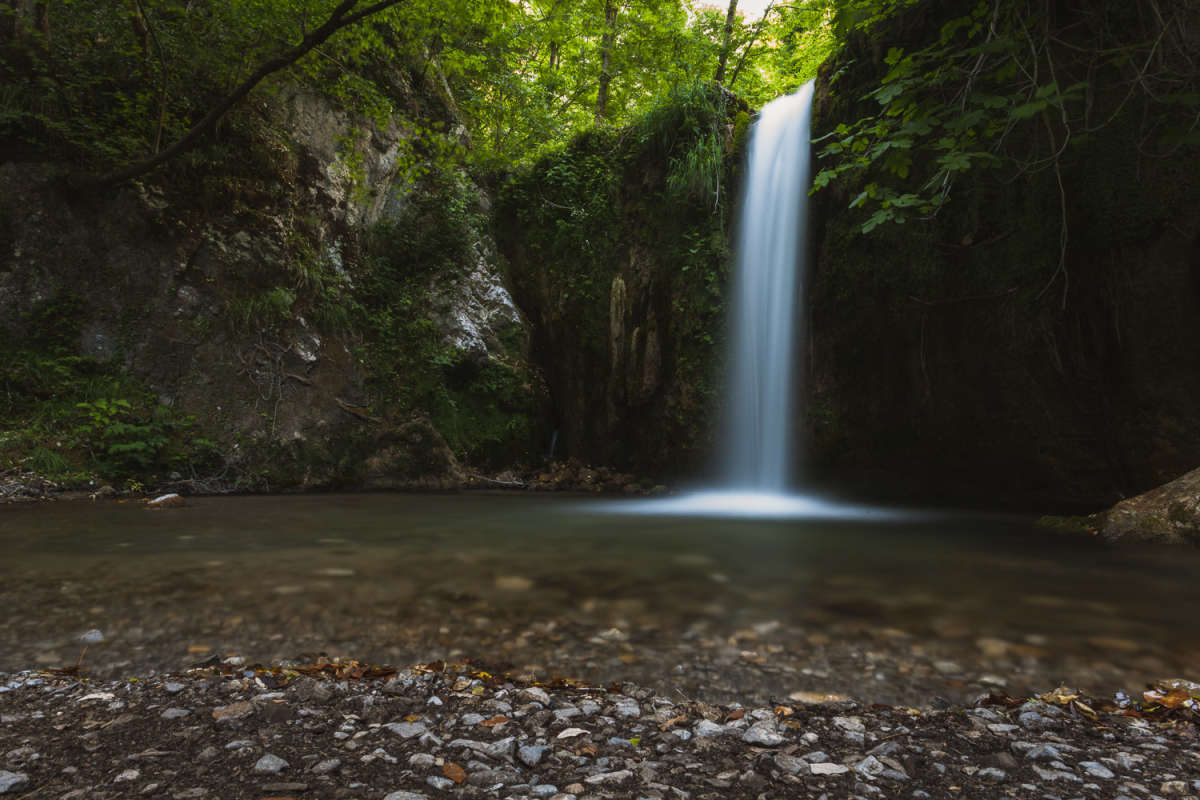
[895, 611]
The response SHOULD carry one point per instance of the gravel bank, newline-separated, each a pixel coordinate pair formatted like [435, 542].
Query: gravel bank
[347, 732]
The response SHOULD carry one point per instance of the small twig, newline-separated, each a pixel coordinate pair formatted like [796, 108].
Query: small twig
[520, 484]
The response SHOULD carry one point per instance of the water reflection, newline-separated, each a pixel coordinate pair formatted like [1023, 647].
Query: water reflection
[696, 604]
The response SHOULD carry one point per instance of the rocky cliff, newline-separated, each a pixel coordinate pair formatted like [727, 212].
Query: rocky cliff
[618, 253]
[1036, 342]
[259, 323]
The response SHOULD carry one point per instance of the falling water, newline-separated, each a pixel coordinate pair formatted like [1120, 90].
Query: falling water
[765, 314]
[758, 462]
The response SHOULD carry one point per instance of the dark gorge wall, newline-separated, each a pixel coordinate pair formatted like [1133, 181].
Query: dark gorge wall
[974, 355]
[618, 255]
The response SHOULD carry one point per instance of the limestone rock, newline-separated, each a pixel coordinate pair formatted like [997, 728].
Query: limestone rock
[1169, 514]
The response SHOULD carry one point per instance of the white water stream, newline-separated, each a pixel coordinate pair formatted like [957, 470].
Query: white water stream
[759, 465]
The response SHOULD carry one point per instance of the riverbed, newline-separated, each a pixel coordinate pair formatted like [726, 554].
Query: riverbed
[913, 610]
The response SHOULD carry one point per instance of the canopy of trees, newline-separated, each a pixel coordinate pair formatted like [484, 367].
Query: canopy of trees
[113, 85]
[117, 87]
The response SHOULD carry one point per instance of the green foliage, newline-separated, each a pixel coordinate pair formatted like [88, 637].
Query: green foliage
[64, 415]
[483, 409]
[997, 87]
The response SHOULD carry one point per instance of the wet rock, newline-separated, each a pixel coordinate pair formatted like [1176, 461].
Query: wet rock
[11, 782]
[609, 778]
[1039, 751]
[1057, 775]
[531, 755]
[1097, 770]
[706, 729]
[991, 774]
[403, 795]
[870, 767]
[763, 733]
[828, 769]
[271, 764]
[1169, 514]
[407, 730]
[792, 764]
[311, 690]
[326, 766]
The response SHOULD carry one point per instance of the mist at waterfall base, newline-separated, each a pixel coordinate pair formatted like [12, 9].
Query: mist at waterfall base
[758, 465]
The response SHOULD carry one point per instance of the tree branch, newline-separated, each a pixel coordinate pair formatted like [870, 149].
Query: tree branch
[339, 18]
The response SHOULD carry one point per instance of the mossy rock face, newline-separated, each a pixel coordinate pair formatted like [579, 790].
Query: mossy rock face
[958, 360]
[618, 251]
[1169, 514]
[413, 455]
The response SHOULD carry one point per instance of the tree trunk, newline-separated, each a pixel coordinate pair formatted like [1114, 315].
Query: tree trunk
[726, 40]
[750, 44]
[606, 46]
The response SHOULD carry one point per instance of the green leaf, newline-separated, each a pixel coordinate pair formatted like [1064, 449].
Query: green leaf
[1027, 110]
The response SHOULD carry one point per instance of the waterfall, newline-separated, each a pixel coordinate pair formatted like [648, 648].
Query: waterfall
[765, 313]
[758, 464]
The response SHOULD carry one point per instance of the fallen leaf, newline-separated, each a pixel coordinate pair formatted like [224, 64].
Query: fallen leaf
[1172, 699]
[571, 732]
[1060, 696]
[454, 772]
[783, 711]
[628, 658]
[1085, 709]
[586, 749]
[672, 722]
[412, 718]
[198, 649]
[735, 715]
[494, 721]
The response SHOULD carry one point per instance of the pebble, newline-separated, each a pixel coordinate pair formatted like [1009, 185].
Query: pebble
[531, 754]
[608, 778]
[175, 713]
[407, 730]
[828, 769]
[1097, 770]
[12, 781]
[326, 766]
[706, 729]
[270, 763]
[763, 733]
[991, 774]
[791, 764]
[127, 775]
[402, 795]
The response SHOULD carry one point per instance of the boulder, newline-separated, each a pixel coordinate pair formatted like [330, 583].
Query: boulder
[1169, 514]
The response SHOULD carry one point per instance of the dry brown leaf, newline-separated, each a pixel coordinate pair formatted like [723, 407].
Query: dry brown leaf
[628, 658]
[783, 711]
[586, 749]
[672, 722]
[412, 718]
[1060, 696]
[736, 714]
[494, 721]
[454, 772]
[1172, 699]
